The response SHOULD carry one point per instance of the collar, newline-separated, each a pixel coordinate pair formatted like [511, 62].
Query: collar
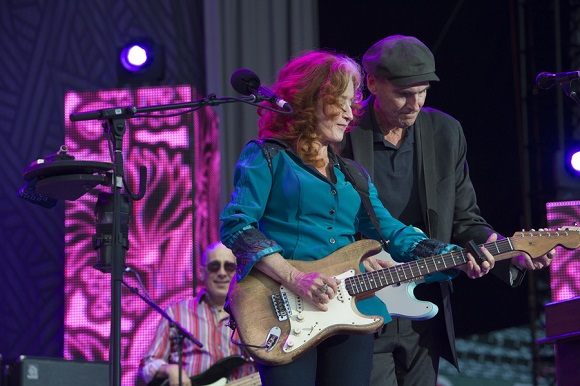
[377, 133]
[202, 297]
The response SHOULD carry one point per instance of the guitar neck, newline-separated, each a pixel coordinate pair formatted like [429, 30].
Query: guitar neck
[249, 380]
[373, 281]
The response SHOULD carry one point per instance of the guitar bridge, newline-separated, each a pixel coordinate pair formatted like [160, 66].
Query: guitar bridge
[281, 306]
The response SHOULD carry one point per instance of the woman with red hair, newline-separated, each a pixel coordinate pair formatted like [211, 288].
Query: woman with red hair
[294, 201]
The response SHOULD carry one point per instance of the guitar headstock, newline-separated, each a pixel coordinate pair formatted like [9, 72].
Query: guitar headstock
[574, 228]
[548, 232]
[537, 243]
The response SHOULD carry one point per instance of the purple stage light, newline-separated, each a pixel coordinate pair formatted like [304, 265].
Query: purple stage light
[575, 161]
[141, 62]
[134, 57]
[572, 159]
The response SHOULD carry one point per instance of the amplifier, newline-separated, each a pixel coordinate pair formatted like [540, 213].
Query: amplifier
[41, 371]
[562, 318]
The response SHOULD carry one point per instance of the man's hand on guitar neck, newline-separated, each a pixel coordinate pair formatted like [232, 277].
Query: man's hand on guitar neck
[171, 372]
[525, 262]
[472, 268]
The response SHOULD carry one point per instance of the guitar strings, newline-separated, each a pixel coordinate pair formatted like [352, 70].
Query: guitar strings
[371, 281]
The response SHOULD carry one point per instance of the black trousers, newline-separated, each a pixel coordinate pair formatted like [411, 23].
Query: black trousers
[407, 353]
[341, 360]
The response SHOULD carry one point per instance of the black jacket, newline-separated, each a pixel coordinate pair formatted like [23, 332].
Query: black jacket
[447, 196]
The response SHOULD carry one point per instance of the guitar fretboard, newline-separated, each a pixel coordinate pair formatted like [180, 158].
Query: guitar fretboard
[249, 380]
[375, 280]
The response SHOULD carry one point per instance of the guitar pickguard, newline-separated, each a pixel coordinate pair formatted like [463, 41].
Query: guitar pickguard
[307, 321]
[402, 303]
[400, 299]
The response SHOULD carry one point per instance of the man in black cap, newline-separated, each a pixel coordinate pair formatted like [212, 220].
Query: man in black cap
[418, 165]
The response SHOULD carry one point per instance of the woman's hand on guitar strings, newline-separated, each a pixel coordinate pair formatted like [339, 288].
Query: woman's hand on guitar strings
[315, 287]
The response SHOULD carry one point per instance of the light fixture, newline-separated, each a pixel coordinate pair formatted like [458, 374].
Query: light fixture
[572, 159]
[141, 62]
[135, 57]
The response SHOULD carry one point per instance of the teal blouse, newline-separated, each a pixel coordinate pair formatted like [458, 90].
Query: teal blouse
[292, 209]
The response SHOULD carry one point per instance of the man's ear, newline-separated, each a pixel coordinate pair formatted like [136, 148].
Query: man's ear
[201, 273]
[371, 83]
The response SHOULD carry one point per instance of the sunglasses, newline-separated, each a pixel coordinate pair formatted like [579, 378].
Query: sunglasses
[215, 266]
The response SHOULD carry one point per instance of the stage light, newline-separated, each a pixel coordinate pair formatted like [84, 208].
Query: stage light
[566, 173]
[575, 161]
[141, 62]
[572, 159]
[134, 57]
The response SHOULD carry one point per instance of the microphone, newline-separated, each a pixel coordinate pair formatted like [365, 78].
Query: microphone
[545, 80]
[246, 82]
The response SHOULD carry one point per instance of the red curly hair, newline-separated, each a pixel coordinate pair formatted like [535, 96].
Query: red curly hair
[302, 83]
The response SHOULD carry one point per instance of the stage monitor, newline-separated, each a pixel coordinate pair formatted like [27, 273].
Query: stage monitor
[565, 269]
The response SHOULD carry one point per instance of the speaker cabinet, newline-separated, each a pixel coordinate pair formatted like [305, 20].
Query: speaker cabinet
[39, 371]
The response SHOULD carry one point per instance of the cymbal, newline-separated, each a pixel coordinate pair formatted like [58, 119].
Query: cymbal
[55, 168]
[67, 179]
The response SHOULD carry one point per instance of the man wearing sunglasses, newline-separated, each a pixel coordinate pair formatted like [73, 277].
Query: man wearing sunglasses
[204, 317]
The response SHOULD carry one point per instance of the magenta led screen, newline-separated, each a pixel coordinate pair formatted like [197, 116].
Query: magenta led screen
[176, 219]
[565, 269]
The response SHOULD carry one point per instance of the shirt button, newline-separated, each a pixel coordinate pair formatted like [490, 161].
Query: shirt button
[332, 211]
[332, 241]
[333, 192]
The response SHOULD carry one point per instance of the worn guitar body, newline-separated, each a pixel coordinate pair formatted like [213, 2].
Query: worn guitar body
[258, 322]
[277, 326]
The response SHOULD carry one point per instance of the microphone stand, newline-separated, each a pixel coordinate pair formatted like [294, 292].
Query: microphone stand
[115, 124]
[182, 333]
[571, 93]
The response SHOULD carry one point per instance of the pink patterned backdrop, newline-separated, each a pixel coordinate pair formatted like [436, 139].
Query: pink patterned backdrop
[565, 269]
[168, 229]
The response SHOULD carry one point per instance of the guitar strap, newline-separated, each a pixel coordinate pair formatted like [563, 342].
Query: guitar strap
[354, 173]
[358, 177]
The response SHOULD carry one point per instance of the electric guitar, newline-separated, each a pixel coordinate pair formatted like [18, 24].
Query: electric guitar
[277, 326]
[217, 375]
